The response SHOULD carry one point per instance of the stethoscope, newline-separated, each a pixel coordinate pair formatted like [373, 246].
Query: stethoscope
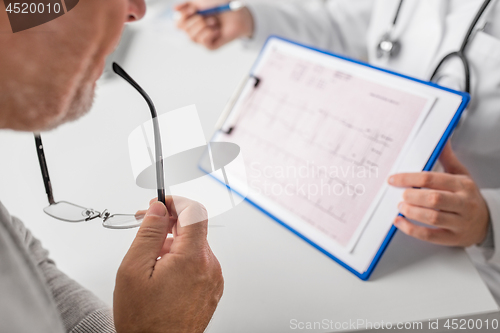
[389, 47]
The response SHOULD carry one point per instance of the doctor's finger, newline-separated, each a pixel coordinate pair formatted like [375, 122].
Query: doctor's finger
[184, 21]
[196, 24]
[185, 9]
[428, 216]
[182, 6]
[431, 180]
[218, 42]
[435, 199]
[207, 36]
[450, 161]
[435, 236]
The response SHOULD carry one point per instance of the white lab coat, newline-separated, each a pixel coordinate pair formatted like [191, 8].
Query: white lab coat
[427, 30]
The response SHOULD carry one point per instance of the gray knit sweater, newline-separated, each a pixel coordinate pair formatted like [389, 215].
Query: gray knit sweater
[37, 297]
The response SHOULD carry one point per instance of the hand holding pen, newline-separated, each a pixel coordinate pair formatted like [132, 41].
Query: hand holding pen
[216, 26]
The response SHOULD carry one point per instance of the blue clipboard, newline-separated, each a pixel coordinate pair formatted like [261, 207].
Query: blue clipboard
[465, 97]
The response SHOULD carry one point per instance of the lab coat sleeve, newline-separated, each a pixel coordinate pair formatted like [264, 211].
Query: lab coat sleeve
[491, 246]
[336, 25]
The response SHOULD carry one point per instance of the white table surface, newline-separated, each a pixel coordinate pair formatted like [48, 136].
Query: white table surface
[271, 276]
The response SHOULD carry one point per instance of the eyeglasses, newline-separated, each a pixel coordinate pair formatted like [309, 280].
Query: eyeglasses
[70, 212]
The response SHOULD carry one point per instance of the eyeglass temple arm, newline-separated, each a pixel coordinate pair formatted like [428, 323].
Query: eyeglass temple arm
[156, 129]
[43, 168]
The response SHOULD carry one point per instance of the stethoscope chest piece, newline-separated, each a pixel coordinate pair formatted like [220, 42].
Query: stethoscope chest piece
[388, 47]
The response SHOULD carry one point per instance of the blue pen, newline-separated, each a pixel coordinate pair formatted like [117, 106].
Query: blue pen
[231, 6]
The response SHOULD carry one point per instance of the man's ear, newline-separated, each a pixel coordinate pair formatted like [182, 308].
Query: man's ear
[32, 13]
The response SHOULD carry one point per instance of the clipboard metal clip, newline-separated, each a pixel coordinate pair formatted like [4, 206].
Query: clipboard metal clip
[257, 81]
[227, 115]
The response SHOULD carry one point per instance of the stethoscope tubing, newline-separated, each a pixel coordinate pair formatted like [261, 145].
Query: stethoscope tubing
[458, 54]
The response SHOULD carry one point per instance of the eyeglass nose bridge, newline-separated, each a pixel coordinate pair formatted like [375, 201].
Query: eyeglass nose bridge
[105, 215]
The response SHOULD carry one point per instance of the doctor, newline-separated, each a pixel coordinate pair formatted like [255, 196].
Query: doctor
[460, 206]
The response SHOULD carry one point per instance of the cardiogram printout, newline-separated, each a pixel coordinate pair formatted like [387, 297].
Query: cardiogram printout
[321, 142]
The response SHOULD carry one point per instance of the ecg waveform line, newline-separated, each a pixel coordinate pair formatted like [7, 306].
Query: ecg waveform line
[367, 133]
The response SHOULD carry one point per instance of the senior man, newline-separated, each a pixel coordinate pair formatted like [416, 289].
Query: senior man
[47, 77]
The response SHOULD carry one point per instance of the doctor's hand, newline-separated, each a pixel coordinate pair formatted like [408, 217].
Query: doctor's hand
[216, 30]
[168, 284]
[449, 204]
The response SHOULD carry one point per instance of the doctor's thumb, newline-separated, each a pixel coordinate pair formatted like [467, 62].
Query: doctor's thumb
[450, 162]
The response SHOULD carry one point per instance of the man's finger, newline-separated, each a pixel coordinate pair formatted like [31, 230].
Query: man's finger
[190, 234]
[428, 216]
[436, 236]
[150, 238]
[166, 246]
[450, 162]
[431, 180]
[434, 199]
[155, 199]
[142, 212]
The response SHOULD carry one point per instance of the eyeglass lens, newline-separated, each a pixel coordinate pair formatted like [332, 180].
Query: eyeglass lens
[123, 221]
[69, 212]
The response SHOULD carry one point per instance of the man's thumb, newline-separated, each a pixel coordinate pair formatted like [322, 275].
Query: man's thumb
[151, 236]
[450, 162]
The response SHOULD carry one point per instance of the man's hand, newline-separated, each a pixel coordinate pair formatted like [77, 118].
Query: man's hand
[217, 30]
[178, 292]
[450, 203]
